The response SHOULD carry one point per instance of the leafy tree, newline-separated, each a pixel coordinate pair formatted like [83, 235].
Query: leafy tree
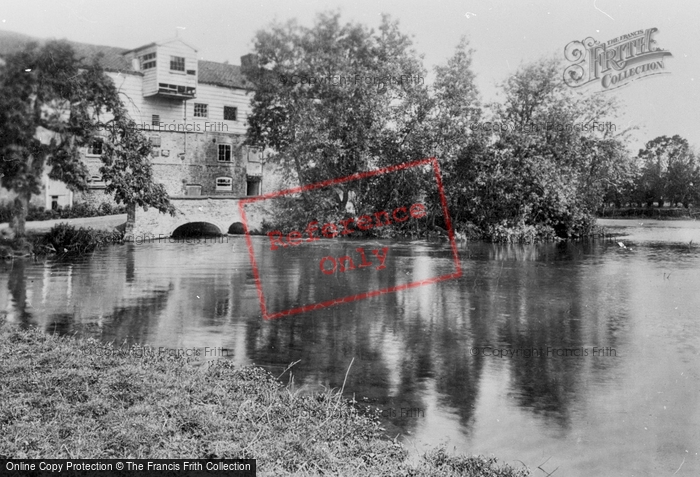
[669, 171]
[449, 130]
[127, 171]
[545, 165]
[684, 179]
[622, 189]
[52, 104]
[44, 120]
[546, 169]
[334, 100]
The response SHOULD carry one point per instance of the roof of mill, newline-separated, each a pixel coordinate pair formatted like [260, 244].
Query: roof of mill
[113, 59]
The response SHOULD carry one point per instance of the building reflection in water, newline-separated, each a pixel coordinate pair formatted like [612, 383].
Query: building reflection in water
[425, 357]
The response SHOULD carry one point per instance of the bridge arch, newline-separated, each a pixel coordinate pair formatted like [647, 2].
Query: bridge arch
[236, 228]
[220, 211]
[197, 229]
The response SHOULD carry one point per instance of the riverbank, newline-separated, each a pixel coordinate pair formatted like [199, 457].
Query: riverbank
[39, 241]
[64, 397]
[664, 213]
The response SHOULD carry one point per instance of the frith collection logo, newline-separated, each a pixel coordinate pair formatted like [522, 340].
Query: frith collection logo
[615, 63]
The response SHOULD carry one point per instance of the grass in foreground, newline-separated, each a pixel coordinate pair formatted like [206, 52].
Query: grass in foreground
[58, 400]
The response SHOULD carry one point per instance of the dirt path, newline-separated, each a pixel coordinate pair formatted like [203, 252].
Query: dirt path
[107, 222]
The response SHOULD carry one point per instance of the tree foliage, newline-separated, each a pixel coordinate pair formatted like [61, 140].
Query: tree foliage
[448, 133]
[538, 164]
[543, 163]
[669, 172]
[334, 100]
[126, 169]
[47, 109]
[53, 104]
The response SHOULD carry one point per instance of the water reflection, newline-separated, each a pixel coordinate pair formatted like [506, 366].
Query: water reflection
[18, 289]
[427, 357]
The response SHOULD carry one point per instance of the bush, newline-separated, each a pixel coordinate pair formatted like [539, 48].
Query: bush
[79, 210]
[82, 209]
[39, 213]
[105, 208]
[520, 233]
[293, 213]
[15, 247]
[5, 213]
[66, 240]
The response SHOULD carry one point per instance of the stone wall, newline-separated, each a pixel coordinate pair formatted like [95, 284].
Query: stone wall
[199, 165]
[94, 197]
[221, 212]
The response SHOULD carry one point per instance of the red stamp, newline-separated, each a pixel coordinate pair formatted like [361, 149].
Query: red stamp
[360, 258]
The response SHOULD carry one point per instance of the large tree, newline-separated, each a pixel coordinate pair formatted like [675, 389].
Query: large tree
[127, 170]
[53, 104]
[336, 99]
[684, 179]
[546, 160]
[669, 171]
[449, 130]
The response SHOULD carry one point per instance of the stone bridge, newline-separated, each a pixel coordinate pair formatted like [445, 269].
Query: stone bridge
[221, 215]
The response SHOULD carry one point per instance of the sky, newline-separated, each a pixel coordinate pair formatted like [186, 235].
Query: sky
[504, 35]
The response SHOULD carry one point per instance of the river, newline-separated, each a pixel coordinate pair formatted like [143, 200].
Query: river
[578, 356]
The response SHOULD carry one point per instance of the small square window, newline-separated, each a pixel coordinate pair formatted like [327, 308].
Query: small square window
[155, 120]
[224, 153]
[95, 149]
[230, 113]
[224, 184]
[177, 63]
[155, 141]
[201, 110]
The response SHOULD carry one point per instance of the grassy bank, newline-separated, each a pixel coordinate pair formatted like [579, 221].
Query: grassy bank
[60, 399]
